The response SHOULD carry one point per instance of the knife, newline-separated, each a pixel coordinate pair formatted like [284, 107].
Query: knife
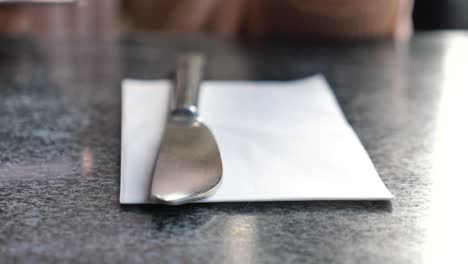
[188, 165]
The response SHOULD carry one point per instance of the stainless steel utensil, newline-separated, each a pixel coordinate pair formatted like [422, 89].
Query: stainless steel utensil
[189, 165]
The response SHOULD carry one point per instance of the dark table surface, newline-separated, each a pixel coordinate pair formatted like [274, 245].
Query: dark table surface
[60, 105]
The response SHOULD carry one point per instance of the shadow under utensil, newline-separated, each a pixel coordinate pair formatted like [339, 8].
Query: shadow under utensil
[259, 207]
[208, 219]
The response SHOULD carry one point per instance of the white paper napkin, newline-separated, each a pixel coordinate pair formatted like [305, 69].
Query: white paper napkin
[279, 141]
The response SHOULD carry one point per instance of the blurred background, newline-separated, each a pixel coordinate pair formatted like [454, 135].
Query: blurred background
[338, 19]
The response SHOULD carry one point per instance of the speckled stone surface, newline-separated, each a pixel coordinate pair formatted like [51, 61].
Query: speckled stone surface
[60, 155]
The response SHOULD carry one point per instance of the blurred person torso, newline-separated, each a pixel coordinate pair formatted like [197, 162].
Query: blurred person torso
[341, 19]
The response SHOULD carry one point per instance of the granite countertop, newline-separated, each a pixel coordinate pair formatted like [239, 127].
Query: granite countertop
[60, 111]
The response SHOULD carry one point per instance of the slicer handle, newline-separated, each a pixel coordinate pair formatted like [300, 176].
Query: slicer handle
[189, 74]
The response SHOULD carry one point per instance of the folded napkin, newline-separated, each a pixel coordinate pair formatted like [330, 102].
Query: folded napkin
[279, 141]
